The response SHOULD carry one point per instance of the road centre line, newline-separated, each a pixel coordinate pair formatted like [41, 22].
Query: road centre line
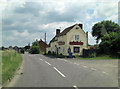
[75, 86]
[48, 63]
[59, 72]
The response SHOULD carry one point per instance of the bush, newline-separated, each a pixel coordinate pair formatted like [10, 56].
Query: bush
[92, 55]
[35, 50]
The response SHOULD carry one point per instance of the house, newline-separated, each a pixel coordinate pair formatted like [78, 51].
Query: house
[72, 39]
[42, 45]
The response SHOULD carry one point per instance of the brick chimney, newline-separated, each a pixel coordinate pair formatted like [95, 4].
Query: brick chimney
[81, 26]
[57, 31]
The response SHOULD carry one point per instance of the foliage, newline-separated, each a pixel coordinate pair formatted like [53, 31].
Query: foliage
[102, 28]
[10, 63]
[27, 47]
[35, 43]
[110, 43]
[35, 50]
[2, 47]
[91, 55]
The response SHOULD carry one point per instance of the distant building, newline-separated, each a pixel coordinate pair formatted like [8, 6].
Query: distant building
[42, 45]
[72, 39]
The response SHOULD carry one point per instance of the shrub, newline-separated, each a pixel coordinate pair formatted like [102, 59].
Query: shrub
[92, 55]
[35, 50]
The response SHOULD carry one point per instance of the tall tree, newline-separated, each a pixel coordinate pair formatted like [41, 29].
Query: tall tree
[104, 27]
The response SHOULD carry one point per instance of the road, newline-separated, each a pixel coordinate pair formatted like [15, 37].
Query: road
[42, 71]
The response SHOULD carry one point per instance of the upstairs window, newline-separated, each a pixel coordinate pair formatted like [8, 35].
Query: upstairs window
[77, 37]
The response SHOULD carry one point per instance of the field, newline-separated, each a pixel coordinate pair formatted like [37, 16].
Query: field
[11, 60]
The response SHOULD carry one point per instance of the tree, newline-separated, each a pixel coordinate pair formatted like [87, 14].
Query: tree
[110, 43]
[105, 27]
[35, 48]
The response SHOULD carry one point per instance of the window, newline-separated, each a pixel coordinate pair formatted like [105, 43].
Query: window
[63, 49]
[76, 37]
[77, 27]
[76, 49]
[58, 49]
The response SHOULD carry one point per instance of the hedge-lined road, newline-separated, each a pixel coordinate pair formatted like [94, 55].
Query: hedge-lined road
[41, 71]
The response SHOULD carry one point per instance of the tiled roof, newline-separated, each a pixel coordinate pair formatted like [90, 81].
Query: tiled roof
[64, 32]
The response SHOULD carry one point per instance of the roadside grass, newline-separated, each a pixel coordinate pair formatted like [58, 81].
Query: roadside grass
[99, 57]
[11, 60]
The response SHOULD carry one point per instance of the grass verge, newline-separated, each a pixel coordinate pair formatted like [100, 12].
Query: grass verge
[11, 60]
[99, 57]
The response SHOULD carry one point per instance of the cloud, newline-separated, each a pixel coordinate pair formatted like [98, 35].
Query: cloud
[23, 34]
[25, 21]
[91, 39]
[106, 9]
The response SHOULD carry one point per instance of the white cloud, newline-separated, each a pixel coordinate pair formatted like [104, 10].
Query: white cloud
[105, 10]
[31, 20]
[24, 34]
[91, 39]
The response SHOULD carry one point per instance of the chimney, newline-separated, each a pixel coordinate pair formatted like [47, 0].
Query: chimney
[81, 26]
[57, 31]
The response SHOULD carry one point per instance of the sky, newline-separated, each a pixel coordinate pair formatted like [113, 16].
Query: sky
[24, 21]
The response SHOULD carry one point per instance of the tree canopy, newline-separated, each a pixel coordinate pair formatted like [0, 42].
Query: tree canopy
[104, 27]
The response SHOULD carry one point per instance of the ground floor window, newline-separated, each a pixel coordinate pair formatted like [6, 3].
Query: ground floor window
[76, 49]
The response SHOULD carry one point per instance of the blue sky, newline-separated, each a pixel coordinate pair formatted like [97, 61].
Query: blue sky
[24, 21]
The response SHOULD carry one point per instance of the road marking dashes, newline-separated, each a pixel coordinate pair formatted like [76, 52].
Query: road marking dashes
[48, 63]
[75, 86]
[59, 72]
[105, 73]
[93, 69]
[85, 66]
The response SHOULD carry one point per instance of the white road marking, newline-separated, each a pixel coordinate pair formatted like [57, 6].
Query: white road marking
[105, 73]
[48, 63]
[75, 86]
[65, 60]
[85, 66]
[41, 59]
[59, 72]
[93, 69]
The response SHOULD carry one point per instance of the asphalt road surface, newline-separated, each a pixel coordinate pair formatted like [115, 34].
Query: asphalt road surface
[42, 71]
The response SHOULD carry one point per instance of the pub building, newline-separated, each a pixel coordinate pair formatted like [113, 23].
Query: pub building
[72, 39]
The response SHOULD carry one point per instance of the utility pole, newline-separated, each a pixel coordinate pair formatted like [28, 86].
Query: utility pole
[45, 37]
[45, 42]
